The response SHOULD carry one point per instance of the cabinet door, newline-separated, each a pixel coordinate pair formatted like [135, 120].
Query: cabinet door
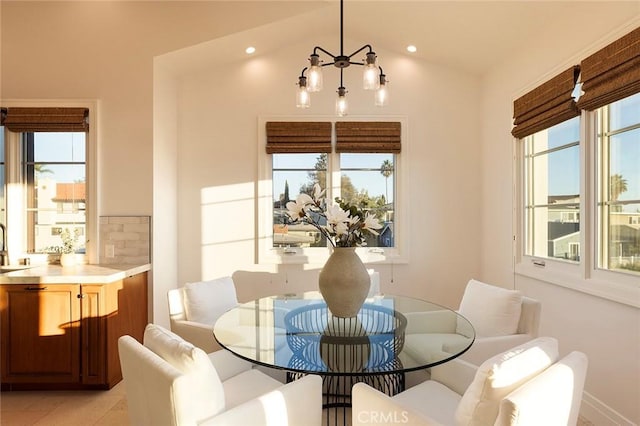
[40, 333]
[108, 312]
[94, 312]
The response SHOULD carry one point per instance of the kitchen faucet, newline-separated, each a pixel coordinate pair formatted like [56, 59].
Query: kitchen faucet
[4, 254]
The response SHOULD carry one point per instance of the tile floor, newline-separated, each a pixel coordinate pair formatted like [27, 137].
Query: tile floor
[74, 408]
[68, 408]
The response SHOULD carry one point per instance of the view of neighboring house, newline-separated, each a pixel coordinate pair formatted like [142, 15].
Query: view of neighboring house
[564, 232]
[59, 205]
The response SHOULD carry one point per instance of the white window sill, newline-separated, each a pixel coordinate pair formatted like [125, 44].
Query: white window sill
[615, 286]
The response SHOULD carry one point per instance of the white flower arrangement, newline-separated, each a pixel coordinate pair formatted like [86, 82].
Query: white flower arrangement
[69, 240]
[345, 223]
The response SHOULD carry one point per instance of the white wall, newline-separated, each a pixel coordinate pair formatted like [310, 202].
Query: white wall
[217, 167]
[608, 332]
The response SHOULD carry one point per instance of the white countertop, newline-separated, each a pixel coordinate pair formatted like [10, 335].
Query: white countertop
[78, 274]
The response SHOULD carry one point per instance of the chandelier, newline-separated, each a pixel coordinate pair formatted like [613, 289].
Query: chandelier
[373, 76]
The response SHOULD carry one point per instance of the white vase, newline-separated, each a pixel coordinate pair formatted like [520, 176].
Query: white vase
[344, 282]
[67, 259]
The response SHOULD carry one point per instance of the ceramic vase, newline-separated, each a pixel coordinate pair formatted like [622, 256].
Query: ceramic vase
[344, 282]
[67, 259]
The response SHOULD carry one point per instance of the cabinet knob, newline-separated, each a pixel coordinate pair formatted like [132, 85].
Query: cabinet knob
[81, 296]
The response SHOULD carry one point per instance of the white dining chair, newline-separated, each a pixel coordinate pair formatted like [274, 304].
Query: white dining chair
[169, 381]
[195, 307]
[501, 319]
[523, 386]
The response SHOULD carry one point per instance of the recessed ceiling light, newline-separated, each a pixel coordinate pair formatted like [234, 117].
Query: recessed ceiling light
[250, 50]
[411, 48]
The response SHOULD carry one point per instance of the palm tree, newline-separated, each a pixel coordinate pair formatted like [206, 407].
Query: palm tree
[386, 169]
[617, 185]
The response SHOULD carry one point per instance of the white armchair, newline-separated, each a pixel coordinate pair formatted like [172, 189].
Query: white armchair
[502, 319]
[168, 381]
[522, 386]
[194, 308]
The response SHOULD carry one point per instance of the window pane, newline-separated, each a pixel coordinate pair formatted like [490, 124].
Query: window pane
[557, 176]
[54, 170]
[625, 112]
[624, 152]
[294, 174]
[619, 177]
[59, 147]
[558, 135]
[552, 182]
[624, 237]
[367, 180]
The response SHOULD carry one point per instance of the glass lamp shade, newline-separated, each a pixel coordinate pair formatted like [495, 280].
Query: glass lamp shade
[303, 99]
[342, 106]
[370, 80]
[382, 96]
[314, 78]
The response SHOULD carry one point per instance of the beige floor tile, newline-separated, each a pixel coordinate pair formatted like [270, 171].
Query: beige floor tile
[21, 418]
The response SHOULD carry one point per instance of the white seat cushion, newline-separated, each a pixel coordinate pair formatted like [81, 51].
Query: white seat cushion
[493, 311]
[433, 399]
[205, 301]
[246, 386]
[500, 375]
[207, 396]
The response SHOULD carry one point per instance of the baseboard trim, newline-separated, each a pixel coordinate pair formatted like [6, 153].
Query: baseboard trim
[598, 413]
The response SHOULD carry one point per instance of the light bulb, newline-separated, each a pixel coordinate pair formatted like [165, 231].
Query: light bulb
[382, 95]
[370, 75]
[303, 99]
[342, 106]
[314, 78]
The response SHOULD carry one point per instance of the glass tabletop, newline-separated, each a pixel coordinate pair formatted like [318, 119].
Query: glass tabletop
[390, 334]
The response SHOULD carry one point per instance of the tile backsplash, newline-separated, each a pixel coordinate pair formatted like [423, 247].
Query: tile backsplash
[125, 239]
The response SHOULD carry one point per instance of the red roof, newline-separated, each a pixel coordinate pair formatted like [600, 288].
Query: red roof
[68, 192]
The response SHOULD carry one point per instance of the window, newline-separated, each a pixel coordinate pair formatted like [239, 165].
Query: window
[47, 171]
[552, 192]
[54, 171]
[579, 176]
[618, 205]
[366, 180]
[294, 174]
[369, 179]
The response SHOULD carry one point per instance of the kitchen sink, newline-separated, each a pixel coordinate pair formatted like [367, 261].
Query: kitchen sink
[10, 268]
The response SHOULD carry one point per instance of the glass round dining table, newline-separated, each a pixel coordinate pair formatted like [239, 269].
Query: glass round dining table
[390, 336]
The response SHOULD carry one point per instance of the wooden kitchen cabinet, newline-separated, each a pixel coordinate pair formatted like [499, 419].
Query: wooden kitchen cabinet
[40, 333]
[66, 335]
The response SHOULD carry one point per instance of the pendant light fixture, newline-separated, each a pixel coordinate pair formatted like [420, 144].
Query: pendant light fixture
[373, 77]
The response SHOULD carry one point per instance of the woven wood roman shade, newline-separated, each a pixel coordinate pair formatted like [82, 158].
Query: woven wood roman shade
[368, 136]
[547, 105]
[611, 73]
[298, 137]
[18, 119]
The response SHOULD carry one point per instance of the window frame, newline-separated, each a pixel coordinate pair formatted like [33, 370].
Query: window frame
[529, 192]
[585, 275]
[16, 220]
[267, 254]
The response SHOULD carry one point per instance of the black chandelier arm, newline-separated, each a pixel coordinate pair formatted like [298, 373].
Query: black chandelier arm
[366, 46]
[315, 51]
[303, 71]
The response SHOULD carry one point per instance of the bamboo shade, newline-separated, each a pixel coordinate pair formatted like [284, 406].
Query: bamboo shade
[612, 73]
[19, 119]
[368, 136]
[298, 137]
[547, 105]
